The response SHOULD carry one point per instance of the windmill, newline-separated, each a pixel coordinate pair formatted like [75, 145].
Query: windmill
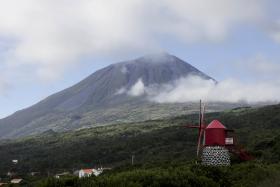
[201, 126]
[215, 142]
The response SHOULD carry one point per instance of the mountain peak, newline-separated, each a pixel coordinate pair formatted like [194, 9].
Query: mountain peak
[153, 58]
[160, 57]
[161, 54]
[104, 90]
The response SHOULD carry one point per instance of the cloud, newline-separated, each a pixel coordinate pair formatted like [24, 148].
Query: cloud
[261, 84]
[260, 65]
[274, 31]
[4, 87]
[194, 88]
[121, 91]
[124, 70]
[50, 35]
[255, 79]
[137, 89]
[257, 68]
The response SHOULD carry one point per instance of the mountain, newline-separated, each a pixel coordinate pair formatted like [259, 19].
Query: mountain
[103, 98]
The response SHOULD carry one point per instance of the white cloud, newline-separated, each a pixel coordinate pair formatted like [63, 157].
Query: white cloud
[260, 65]
[195, 88]
[274, 30]
[4, 87]
[252, 80]
[121, 91]
[137, 89]
[209, 20]
[50, 35]
[124, 70]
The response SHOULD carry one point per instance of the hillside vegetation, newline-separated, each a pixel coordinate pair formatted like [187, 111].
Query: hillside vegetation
[164, 152]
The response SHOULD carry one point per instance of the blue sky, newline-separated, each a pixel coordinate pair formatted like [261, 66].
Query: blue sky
[46, 46]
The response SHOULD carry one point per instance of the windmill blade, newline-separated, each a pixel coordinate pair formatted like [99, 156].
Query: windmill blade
[202, 114]
[201, 127]
[199, 142]
[199, 130]
[203, 124]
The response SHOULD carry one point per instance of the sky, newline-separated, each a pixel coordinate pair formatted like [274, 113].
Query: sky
[49, 45]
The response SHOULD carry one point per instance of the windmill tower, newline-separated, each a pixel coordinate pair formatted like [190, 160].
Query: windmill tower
[216, 142]
[214, 151]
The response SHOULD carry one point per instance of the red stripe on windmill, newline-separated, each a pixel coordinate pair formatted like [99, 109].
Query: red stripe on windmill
[215, 142]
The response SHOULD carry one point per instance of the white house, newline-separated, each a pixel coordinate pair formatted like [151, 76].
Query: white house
[90, 172]
[16, 181]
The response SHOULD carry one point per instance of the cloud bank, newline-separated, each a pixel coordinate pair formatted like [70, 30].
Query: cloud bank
[49, 36]
[194, 88]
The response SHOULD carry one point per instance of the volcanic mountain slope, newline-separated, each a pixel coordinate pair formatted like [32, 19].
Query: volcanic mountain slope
[104, 97]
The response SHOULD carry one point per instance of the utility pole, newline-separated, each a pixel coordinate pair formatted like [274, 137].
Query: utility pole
[132, 159]
[133, 156]
[100, 166]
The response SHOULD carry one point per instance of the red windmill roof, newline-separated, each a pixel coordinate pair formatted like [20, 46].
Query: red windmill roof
[215, 124]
